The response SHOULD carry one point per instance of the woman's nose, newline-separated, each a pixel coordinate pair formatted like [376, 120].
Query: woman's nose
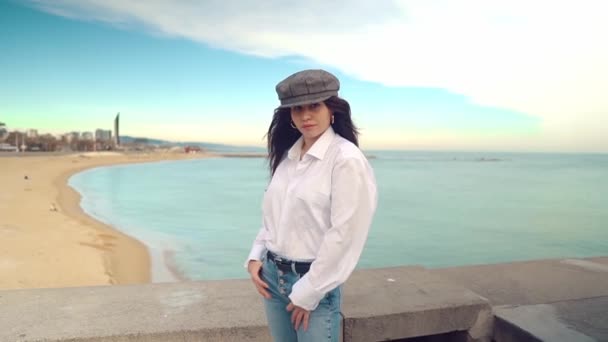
[306, 114]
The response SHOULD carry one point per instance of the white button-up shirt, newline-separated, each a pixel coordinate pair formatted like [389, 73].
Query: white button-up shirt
[319, 209]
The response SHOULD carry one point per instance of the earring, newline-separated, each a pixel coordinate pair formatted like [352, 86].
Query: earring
[293, 125]
[332, 119]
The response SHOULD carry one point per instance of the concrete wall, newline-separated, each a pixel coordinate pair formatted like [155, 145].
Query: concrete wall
[379, 305]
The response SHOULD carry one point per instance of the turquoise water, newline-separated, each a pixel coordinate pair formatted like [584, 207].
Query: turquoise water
[436, 209]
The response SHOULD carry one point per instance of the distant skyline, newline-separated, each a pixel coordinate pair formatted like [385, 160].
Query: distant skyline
[423, 75]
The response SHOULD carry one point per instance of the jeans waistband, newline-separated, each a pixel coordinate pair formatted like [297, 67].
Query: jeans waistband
[287, 265]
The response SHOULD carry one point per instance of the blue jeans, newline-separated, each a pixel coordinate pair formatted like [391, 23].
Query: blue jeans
[324, 321]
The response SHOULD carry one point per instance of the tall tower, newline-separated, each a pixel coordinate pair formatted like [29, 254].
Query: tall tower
[116, 130]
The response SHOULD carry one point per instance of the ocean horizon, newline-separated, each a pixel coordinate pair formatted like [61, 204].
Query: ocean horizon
[199, 217]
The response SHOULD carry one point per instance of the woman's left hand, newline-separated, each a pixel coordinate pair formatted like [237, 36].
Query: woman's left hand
[299, 315]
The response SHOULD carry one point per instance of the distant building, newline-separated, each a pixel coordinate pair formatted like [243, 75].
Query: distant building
[72, 136]
[192, 149]
[87, 136]
[32, 133]
[7, 148]
[103, 135]
[116, 130]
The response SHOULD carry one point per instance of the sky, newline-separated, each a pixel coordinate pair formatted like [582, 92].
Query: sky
[419, 74]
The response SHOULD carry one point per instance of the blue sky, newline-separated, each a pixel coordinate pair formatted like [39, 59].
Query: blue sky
[419, 75]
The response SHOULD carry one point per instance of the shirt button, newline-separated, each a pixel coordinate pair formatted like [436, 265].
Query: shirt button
[281, 281]
[280, 272]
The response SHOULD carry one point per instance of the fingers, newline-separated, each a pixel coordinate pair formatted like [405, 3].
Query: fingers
[263, 291]
[305, 320]
[260, 285]
[258, 280]
[255, 268]
[299, 316]
[296, 318]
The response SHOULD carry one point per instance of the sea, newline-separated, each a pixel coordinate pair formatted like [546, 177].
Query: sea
[199, 217]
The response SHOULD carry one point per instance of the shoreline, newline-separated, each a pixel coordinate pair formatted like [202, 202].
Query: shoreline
[48, 240]
[126, 260]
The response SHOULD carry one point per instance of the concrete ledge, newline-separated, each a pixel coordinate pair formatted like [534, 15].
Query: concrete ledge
[402, 302]
[533, 282]
[546, 300]
[584, 320]
[189, 311]
[379, 304]
[542, 300]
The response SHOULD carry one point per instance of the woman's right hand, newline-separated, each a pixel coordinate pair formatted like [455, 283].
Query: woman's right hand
[255, 267]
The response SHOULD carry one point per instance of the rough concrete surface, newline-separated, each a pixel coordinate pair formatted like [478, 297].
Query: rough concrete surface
[570, 294]
[188, 311]
[391, 303]
[379, 303]
[582, 320]
[533, 282]
[547, 300]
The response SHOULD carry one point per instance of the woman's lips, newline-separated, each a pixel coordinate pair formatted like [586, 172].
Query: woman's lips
[308, 126]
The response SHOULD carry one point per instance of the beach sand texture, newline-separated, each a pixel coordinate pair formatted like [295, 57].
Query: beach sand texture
[46, 240]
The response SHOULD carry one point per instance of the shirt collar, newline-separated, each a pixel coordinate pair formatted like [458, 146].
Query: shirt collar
[294, 151]
[317, 149]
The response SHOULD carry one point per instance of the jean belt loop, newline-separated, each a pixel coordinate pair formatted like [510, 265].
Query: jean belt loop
[293, 267]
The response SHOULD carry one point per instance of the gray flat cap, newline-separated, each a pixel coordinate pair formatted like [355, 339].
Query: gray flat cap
[307, 86]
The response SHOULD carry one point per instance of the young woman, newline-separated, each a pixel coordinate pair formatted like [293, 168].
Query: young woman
[317, 209]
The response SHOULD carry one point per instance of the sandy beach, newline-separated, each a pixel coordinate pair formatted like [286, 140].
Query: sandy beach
[46, 240]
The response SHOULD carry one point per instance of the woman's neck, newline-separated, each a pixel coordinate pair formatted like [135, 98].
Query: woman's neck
[306, 145]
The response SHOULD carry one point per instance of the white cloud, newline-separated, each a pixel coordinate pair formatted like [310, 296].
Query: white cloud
[543, 58]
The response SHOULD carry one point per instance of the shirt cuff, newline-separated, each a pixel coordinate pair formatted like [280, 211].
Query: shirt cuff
[304, 295]
[257, 251]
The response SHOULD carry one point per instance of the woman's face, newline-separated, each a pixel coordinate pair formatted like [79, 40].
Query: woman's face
[311, 120]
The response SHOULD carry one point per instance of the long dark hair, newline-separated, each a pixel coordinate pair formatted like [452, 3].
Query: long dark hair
[281, 136]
